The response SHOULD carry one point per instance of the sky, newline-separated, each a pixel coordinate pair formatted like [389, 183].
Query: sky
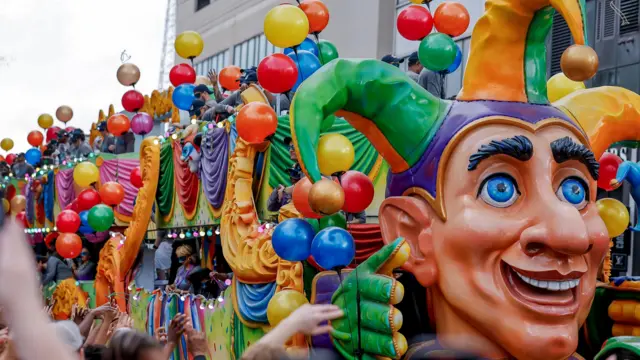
[67, 52]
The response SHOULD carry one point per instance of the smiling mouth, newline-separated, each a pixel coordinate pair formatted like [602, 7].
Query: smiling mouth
[547, 292]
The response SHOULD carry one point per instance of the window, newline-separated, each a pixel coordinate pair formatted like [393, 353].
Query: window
[215, 62]
[630, 10]
[560, 40]
[249, 53]
[201, 3]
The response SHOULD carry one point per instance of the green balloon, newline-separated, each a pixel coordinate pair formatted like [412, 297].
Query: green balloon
[314, 224]
[327, 51]
[100, 218]
[338, 220]
[437, 52]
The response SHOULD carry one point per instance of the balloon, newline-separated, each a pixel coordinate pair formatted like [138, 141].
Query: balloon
[326, 197]
[307, 45]
[358, 191]
[315, 224]
[255, 122]
[69, 129]
[286, 26]
[100, 218]
[327, 51]
[451, 18]
[85, 174]
[282, 304]
[415, 22]
[183, 96]
[52, 133]
[18, 203]
[87, 199]
[73, 206]
[456, 62]
[614, 214]
[189, 44]
[560, 86]
[182, 74]
[6, 206]
[142, 123]
[317, 14]
[128, 74]
[579, 62]
[292, 239]
[10, 158]
[336, 220]
[64, 113]
[84, 221]
[69, 245]
[68, 221]
[35, 138]
[6, 144]
[45, 121]
[21, 219]
[300, 198]
[307, 64]
[335, 154]
[118, 124]
[277, 73]
[33, 156]
[229, 77]
[112, 193]
[437, 52]
[132, 100]
[333, 248]
[609, 164]
[136, 177]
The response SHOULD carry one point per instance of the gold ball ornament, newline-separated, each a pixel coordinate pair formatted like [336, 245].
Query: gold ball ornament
[6, 144]
[128, 74]
[64, 113]
[282, 304]
[45, 121]
[579, 62]
[326, 197]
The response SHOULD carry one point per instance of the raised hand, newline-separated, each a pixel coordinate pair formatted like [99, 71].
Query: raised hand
[379, 320]
[177, 327]
[213, 77]
[197, 343]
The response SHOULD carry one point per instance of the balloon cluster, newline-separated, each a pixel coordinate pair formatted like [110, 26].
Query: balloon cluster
[437, 51]
[188, 45]
[132, 101]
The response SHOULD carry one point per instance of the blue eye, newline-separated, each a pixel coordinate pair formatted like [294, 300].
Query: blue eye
[573, 191]
[499, 191]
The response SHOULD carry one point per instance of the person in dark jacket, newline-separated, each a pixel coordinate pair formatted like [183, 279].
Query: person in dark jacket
[56, 270]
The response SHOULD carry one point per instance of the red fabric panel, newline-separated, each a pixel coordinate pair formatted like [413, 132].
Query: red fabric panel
[187, 184]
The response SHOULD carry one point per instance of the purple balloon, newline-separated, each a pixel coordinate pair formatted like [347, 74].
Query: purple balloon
[142, 123]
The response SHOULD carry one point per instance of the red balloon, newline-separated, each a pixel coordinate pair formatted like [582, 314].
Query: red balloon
[68, 221]
[68, 245]
[136, 177]
[317, 13]
[50, 237]
[277, 73]
[182, 74]
[69, 129]
[35, 138]
[300, 198]
[228, 78]
[21, 219]
[415, 22]
[451, 18]
[87, 199]
[9, 159]
[52, 133]
[609, 164]
[112, 193]
[118, 124]
[132, 101]
[255, 122]
[73, 206]
[358, 191]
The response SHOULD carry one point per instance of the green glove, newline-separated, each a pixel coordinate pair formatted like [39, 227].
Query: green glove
[379, 320]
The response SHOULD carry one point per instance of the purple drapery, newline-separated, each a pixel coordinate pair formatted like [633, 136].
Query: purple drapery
[30, 209]
[65, 188]
[122, 168]
[213, 165]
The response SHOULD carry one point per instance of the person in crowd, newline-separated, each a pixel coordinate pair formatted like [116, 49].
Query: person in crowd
[20, 167]
[357, 218]
[392, 60]
[164, 248]
[189, 262]
[48, 155]
[106, 142]
[63, 141]
[5, 170]
[133, 345]
[415, 67]
[94, 352]
[56, 269]
[432, 82]
[86, 271]
[125, 143]
[203, 92]
[281, 195]
[250, 77]
[41, 266]
[79, 147]
[69, 334]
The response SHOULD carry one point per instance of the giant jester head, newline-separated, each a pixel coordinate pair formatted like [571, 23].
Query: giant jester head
[495, 192]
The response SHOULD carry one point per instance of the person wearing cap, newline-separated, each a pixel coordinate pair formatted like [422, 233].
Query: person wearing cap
[21, 167]
[415, 67]
[203, 92]
[62, 150]
[79, 147]
[106, 142]
[249, 77]
[392, 60]
[69, 334]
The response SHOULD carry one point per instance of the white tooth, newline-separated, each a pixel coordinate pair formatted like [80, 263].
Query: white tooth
[554, 285]
[564, 285]
[543, 284]
[534, 282]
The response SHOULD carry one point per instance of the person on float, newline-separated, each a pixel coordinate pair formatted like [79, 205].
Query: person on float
[79, 147]
[189, 265]
[415, 67]
[86, 270]
[250, 77]
[490, 198]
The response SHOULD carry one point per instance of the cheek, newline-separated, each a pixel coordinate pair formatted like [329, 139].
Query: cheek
[599, 236]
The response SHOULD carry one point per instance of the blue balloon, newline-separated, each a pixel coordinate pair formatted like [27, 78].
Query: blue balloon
[333, 248]
[292, 239]
[84, 220]
[85, 230]
[456, 62]
[307, 64]
[33, 156]
[183, 96]
[307, 45]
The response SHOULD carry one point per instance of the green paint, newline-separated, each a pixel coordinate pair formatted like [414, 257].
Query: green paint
[166, 190]
[535, 58]
[583, 10]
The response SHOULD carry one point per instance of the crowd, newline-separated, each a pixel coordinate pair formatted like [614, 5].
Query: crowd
[431, 81]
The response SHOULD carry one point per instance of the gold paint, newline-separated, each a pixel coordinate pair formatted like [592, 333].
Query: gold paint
[326, 197]
[579, 62]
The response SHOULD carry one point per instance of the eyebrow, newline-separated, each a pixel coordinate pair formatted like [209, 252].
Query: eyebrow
[518, 147]
[566, 149]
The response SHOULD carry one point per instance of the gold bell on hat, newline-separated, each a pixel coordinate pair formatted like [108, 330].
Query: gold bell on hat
[579, 62]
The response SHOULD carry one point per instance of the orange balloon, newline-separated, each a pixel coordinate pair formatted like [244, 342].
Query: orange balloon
[118, 124]
[18, 203]
[255, 122]
[69, 245]
[112, 193]
[229, 77]
[451, 18]
[35, 138]
[300, 198]
[317, 13]
[1, 158]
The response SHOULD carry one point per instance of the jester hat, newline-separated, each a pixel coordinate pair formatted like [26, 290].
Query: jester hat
[504, 83]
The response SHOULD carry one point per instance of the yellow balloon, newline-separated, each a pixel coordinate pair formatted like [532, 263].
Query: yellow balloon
[614, 214]
[18, 204]
[189, 44]
[6, 206]
[6, 144]
[417, 1]
[286, 26]
[335, 154]
[282, 304]
[45, 121]
[85, 174]
[560, 86]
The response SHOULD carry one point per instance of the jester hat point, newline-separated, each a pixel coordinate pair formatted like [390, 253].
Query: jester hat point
[504, 83]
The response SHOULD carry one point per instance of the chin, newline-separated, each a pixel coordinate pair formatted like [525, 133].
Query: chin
[547, 343]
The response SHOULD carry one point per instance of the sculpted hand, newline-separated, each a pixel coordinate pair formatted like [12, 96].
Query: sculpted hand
[379, 320]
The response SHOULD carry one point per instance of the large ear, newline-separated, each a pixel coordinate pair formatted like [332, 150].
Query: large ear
[411, 218]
